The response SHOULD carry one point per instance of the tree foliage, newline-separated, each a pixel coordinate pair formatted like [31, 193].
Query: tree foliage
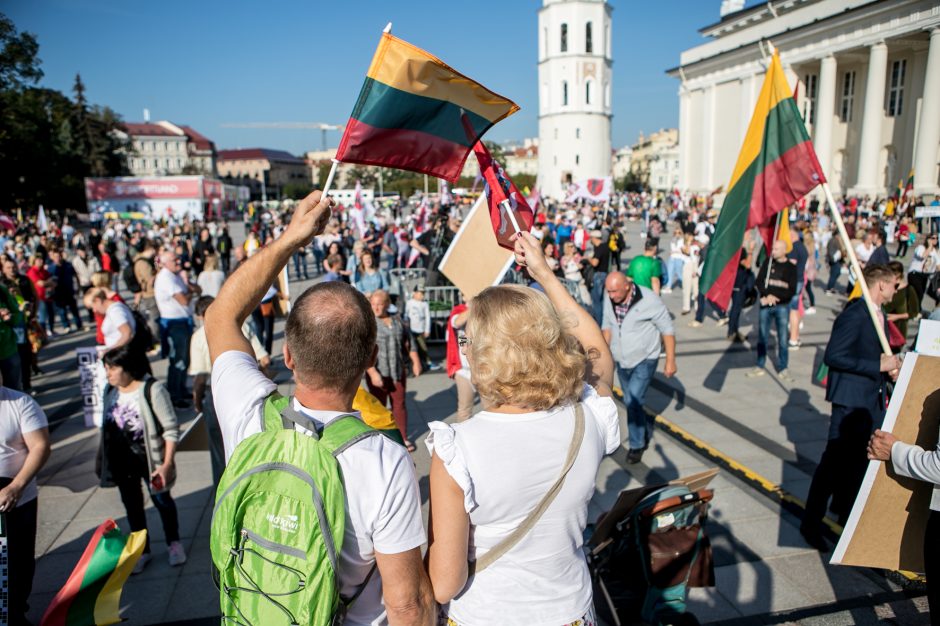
[48, 142]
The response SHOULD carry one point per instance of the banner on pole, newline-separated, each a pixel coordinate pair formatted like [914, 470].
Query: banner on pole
[92, 380]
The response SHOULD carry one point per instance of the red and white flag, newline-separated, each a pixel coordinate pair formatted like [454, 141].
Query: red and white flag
[509, 210]
[591, 189]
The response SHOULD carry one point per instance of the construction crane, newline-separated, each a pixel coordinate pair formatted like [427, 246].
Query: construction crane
[290, 125]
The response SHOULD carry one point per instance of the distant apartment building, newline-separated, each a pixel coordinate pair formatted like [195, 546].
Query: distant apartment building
[167, 149]
[654, 159]
[265, 171]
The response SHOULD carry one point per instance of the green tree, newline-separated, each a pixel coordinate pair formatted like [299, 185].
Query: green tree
[48, 143]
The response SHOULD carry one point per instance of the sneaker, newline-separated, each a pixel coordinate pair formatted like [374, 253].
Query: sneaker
[784, 375]
[695, 324]
[813, 537]
[830, 292]
[755, 372]
[665, 290]
[795, 345]
[686, 311]
[634, 456]
[141, 563]
[177, 555]
[435, 366]
[735, 338]
[722, 321]
[811, 310]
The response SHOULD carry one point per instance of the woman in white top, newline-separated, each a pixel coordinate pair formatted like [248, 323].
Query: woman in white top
[925, 263]
[677, 260]
[211, 277]
[530, 355]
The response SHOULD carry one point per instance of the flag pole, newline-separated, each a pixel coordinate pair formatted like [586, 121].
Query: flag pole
[329, 178]
[770, 260]
[507, 206]
[853, 261]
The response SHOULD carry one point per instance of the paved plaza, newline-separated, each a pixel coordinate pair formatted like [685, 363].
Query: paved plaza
[765, 573]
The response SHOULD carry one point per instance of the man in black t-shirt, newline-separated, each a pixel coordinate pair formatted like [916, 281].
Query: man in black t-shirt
[600, 261]
[776, 285]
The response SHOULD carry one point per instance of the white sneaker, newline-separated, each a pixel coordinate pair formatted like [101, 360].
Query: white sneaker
[811, 310]
[754, 373]
[141, 563]
[721, 322]
[794, 345]
[666, 290]
[177, 555]
[784, 375]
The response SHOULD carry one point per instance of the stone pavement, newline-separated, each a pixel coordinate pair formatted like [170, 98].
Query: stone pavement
[765, 573]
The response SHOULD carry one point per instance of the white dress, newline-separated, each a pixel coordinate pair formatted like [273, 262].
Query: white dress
[505, 464]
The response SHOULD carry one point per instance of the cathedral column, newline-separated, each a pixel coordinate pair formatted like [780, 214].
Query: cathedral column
[825, 112]
[872, 116]
[928, 135]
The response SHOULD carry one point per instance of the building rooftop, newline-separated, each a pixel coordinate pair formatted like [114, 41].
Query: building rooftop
[199, 140]
[244, 154]
[148, 129]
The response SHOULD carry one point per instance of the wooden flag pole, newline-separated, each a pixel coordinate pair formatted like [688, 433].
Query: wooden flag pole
[770, 254]
[506, 205]
[853, 261]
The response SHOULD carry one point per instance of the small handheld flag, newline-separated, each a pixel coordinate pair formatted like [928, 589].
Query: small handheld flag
[411, 110]
[509, 211]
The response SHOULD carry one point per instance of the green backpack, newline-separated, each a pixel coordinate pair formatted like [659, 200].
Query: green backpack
[278, 521]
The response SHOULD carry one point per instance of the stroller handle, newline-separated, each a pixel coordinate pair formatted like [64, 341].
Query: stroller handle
[702, 495]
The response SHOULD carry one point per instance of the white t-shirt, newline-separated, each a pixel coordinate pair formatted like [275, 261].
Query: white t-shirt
[505, 465]
[165, 287]
[116, 316]
[418, 313]
[211, 282]
[923, 262]
[864, 252]
[19, 414]
[383, 504]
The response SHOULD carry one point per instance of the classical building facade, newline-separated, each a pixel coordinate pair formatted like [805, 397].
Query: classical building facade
[165, 149]
[574, 93]
[866, 76]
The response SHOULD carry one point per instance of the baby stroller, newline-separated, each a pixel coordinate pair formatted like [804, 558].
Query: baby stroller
[648, 550]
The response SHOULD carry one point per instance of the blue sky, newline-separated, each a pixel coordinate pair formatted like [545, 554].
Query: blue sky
[208, 62]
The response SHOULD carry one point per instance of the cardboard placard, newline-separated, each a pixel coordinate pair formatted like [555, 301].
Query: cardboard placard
[886, 526]
[474, 260]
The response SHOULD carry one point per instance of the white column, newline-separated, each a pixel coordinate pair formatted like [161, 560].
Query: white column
[708, 145]
[928, 135]
[685, 137]
[872, 116]
[825, 112]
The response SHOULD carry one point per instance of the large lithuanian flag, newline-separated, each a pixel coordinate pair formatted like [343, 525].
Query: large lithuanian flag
[92, 594]
[417, 113]
[777, 166]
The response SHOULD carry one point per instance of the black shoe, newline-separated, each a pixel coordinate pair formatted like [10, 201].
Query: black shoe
[814, 538]
[182, 404]
[634, 456]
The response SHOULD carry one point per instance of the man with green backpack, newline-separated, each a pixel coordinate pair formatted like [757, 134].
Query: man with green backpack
[318, 516]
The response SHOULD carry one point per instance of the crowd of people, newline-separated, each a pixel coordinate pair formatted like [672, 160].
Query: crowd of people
[543, 362]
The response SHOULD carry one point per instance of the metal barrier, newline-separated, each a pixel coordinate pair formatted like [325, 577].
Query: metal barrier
[404, 280]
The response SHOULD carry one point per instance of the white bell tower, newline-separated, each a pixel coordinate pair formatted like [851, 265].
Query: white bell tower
[574, 93]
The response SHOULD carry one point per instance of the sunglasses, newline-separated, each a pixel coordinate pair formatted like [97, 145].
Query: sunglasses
[463, 341]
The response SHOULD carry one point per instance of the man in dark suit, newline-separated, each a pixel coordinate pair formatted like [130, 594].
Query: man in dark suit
[880, 254]
[858, 372]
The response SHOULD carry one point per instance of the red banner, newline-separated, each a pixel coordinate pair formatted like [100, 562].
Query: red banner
[144, 188]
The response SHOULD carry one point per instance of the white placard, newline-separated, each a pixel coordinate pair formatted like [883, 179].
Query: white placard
[92, 379]
[928, 338]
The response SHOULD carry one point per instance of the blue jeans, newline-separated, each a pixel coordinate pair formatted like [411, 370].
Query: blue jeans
[780, 314]
[300, 261]
[597, 296]
[12, 372]
[635, 381]
[674, 271]
[178, 334]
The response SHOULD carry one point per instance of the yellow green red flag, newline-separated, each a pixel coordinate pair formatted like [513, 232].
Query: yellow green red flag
[776, 166]
[416, 113]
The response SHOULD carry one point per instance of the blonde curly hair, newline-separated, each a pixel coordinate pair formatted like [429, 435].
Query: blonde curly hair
[520, 352]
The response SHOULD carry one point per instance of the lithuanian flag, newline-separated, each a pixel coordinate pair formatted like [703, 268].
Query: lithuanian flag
[777, 166]
[410, 113]
[92, 594]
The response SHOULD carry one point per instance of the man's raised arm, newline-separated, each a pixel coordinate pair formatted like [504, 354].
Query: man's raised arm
[243, 290]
